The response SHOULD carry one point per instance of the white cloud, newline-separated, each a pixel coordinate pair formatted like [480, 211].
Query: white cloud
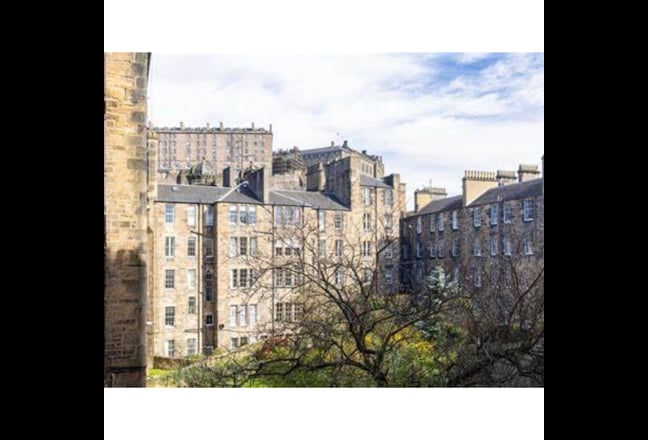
[426, 123]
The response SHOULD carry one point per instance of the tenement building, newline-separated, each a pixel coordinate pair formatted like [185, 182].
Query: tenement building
[233, 256]
[474, 236]
[180, 147]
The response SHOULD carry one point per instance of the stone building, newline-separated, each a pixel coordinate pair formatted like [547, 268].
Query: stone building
[498, 216]
[179, 148]
[126, 245]
[222, 254]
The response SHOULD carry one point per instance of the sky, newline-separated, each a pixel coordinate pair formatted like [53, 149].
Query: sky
[429, 115]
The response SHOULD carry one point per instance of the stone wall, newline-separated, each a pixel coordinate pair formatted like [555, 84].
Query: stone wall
[125, 202]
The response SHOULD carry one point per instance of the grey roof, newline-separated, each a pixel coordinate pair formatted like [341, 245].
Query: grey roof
[370, 181]
[203, 194]
[312, 199]
[328, 149]
[530, 188]
[445, 204]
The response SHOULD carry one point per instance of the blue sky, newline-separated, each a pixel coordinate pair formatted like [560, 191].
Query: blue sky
[431, 116]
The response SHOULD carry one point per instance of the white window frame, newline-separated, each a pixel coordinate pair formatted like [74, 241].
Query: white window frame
[233, 215]
[169, 247]
[169, 316]
[191, 278]
[169, 278]
[476, 247]
[419, 224]
[366, 221]
[432, 249]
[191, 305]
[191, 346]
[169, 213]
[338, 221]
[252, 215]
[493, 245]
[529, 210]
[191, 215]
[209, 320]
[476, 214]
[321, 220]
[170, 347]
[494, 214]
[191, 244]
[455, 220]
[242, 315]
[441, 222]
[507, 212]
[338, 248]
[528, 246]
[454, 247]
[209, 215]
[252, 314]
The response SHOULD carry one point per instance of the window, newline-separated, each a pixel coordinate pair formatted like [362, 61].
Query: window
[209, 320]
[476, 247]
[441, 221]
[507, 212]
[288, 278]
[169, 213]
[388, 221]
[419, 248]
[232, 316]
[528, 245]
[279, 278]
[528, 210]
[455, 220]
[493, 215]
[321, 220]
[389, 275]
[287, 312]
[232, 214]
[234, 280]
[298, 312]
[169, 247]
[191, 305]
[244, 340]
[389, 197]
[252, 215]
[234, 342]
[432, 248]
[253, 246]
[170, 348]
[476, 218]
[338, 248]
[209, 286]
[506, 244]
[252, 311]
[191, 278]
[366, 196]
[243, 214]
[322, 248]
[169, 316]
[243, 277]
[366, 222]
[454, 247]
[493, 245]
[243, 246]
[209, 247]
[339, 276]
[278, 248]
[337, 221]
[366, 275]
[366, 248]
[209, 216]
[191, 246]
[419, 271]
[191, 346]
[279, 312]
[169, 279]
[388, 250]
[191, 215]
[242, 315]
[476, 275]
[432, 223]
[233, 246]
[419, 224]
[441, 247]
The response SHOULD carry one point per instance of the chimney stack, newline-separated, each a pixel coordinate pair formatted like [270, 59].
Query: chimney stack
[252, 125]
[345, 144]
[528, 172]
[207, 125]
[181, 125]
[476, 183]
[332, 143]
[506, 177]
[426, 195]
[221, 125]
[270, 128]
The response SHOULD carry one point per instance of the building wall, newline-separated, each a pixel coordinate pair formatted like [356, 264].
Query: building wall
[179, 148]
[125, 200]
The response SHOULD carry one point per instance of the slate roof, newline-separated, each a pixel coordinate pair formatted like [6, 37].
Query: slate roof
[213, 194]
[515, 191]
[324, 150]
[203, 194]
[312, 199]
[445, 204]
[370, 181]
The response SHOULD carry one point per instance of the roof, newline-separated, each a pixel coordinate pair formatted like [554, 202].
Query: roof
[370, 181]
[203, 194]
[445, 204]
[213, 194]
[328, 149]
[313, 199]
[530, 188]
